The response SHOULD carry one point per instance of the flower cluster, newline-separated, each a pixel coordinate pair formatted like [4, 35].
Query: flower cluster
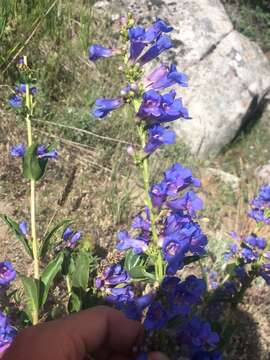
[260, 206]
[7, 273]
[178, 233]
[155, 108]
[7, 333]
[16, 100]
[165, 235]
[248, 257]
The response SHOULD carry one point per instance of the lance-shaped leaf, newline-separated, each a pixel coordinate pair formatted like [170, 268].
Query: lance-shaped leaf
[48, 275]
[49, 235]
[131, 260]
[138, 273]
[32, 291]
[33, 167]
[80, 274]
[19, 235]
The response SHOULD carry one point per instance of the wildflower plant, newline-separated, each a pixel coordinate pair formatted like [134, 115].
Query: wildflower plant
[152, 275]
[54, 256]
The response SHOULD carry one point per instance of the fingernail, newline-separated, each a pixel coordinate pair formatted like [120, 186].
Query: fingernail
[157, 356]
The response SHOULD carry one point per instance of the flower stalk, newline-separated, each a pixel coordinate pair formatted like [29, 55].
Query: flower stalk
[159, 268]
[29, 109]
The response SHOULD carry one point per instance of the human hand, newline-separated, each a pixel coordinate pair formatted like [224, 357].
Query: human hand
[100, 333]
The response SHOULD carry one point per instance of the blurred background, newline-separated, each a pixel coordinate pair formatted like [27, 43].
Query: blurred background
[94, 181]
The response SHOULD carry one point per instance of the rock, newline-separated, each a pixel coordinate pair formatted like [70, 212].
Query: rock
[262, 173]
[229, 76]
[227, 178]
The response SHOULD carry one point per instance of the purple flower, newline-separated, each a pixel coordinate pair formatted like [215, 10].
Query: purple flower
[120, 295]
[163, 43]
[156, 316]
[157, 136]
[139, 244]
[156, 108]
[140, 38]
[133, 308]
[142, 356]
[256, 241]
[249, 255]
[184, 294]
[21, 89]
[71, 238]
[18, 150]
[178, 178]
[265, 273]
[140, 223]
[158, 193]
[151, 105]
[7, 333]
[198, 239]
[102, 106]
[111, 276]
[164, 76]
[15, 101]
[7, 273]
[177, 244]
[198, 333]
[157, 28]
[174, 248]
[137, 41]
[190, 203]
[260, 210]
[114, 282]
[229, 254]
[43, 152]
[98, 51]
[23, 226]
[174, 222]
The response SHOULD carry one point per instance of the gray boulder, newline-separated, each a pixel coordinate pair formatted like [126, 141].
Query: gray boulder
[229, 76]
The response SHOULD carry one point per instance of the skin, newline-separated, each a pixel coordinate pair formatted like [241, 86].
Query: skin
[100, 333]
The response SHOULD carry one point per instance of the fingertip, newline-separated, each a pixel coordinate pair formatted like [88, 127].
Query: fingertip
[156, 355]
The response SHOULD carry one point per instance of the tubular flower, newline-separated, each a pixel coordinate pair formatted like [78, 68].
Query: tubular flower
[164, 76]
[7, 273]
[102, 107]
[7, 333]
[96, 52]
[156, 108]
[18, 150]
[44, 153]
[157, 136]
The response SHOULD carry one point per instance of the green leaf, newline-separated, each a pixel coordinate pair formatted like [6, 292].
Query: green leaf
[137, 103]
[48, 236]
[80, 275]
[33, 167]
[49, 275]
[32, 291]
[74, 303]
[16, 230]
[131, 260]
[140, 274]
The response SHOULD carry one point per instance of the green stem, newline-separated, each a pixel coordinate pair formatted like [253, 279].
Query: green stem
[159, 268]
[68, 283]
[29, 108]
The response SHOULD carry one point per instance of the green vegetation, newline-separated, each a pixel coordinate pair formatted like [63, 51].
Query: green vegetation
[252, 18]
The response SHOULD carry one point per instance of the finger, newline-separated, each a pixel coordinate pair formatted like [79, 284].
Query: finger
[76, 336]
[106, 327]
[156, 355]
